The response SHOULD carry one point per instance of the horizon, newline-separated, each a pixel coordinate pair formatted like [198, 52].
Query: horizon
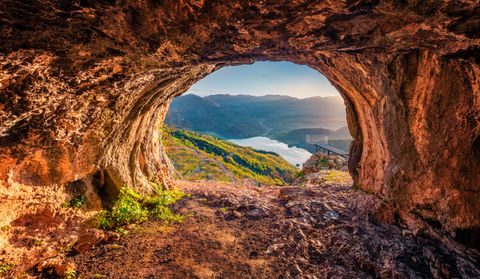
[259, 96]
[265, 78]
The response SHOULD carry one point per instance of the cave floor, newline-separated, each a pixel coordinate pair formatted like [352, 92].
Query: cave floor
[274, 232]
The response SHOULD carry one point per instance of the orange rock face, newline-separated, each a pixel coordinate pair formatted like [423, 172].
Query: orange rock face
[86, 84]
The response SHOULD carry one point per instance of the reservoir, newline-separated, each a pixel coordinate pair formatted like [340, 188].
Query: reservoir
[293, 155]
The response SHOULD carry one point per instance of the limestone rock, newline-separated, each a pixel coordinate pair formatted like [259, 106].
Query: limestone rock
[319, 161]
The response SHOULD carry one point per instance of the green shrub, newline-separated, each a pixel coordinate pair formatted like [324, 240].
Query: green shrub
[164, 214]
[67, 247]
[164, 197]
[70, 274]
[5, 228]
[158, 205]
[121, 231]
[224, 210]
[127, 209]
[38, 242]
[6, 267]
[130, 207]
[322, 162]
[76, 202]
[103, 220]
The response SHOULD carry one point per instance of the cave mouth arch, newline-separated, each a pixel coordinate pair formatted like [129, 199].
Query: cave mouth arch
[88, 92]
[388, 156]
[268, 106]
[143, 155]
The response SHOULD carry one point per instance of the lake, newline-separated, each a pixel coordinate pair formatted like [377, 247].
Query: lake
[293, 155]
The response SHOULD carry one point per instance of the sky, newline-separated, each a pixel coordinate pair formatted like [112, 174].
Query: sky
[265, 78]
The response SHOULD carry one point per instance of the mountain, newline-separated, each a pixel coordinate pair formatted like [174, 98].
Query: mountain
[204, 115]
[243, 116]
[198, 156]
[342, 133]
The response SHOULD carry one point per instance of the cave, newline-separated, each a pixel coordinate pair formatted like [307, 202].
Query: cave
[85, 84]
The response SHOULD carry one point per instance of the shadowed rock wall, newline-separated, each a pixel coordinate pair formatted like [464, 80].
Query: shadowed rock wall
[85, 84]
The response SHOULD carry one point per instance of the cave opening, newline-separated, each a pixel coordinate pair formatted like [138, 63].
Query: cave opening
[259, 123]
[86, 84]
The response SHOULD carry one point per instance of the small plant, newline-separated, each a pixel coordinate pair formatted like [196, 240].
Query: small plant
[103, 220]
[126, 210]
[121, 231]
[5, 228]
[158, 205]
[6, 267]
[164, 214]
[131, 207]
[77, 202]
[165, 197]
[98, 276]
[66, 248]
[38, 242]
[322, 162]
[224, 210]
[115, 246]
[70, 274]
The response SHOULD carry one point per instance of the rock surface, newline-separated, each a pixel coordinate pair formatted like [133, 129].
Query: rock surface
[319, 161]
[85, 84]
[309, 232]
[320, 169]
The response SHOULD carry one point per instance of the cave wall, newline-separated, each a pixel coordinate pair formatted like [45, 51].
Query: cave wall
[85, 84]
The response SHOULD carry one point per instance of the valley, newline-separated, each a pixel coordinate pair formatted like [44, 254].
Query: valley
[294, 155]
[283, 118]
[203, 157]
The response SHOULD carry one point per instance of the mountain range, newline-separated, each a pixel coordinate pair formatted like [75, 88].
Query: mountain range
[273, 116]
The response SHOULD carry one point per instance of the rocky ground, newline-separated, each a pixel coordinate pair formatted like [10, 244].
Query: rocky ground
[301, 231]
[320, 227]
